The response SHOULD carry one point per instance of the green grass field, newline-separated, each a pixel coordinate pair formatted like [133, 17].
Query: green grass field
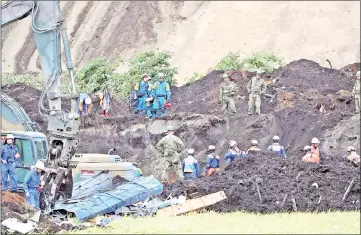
[282, 223]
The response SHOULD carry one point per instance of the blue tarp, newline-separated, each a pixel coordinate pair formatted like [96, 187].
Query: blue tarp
[126, 194]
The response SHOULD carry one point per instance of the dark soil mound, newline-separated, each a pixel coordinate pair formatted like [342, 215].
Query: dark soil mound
[279, 182]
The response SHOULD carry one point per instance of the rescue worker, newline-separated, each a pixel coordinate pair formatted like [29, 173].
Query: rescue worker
[85, 104]
[308, 155]
[276, 147]
[233, 152]
[352, 156]
[137, 171]
[151, 111]
[315, 150]
[141, 89]
[161, 95]
[227, 93]
[212, 161]
[254, 147]
[171, 146]
[356, 93]
[104, 103]
[32, 185]
[190, 166]
[255, 87]
[9, 156]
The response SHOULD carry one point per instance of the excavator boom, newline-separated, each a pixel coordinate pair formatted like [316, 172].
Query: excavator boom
[48, 25]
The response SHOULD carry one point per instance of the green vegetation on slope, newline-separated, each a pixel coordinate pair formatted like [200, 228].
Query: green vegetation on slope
[99, 73]
[280, 223]
[262, 61]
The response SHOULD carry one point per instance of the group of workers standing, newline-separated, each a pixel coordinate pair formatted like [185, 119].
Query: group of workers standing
[152, 99]
[172, 146]
[257, 87]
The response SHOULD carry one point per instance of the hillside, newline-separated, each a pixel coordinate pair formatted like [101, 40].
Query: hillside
[199, 34]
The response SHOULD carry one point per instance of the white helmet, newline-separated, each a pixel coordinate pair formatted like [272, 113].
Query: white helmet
[190, 151]
[254, 142]
[358, 73]
[225, 75]
[307, 147]
[315, 141]
[276, 137]
[350, 148]
[232, 143]
[40, 165]
[10, 136]
[88, 100]
[161, 75]
[211, 147]
[259, 71]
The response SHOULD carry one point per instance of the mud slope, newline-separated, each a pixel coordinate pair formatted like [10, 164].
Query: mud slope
[302, 87]
[199, 34]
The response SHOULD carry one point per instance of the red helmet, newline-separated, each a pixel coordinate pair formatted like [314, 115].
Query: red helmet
[168, 105]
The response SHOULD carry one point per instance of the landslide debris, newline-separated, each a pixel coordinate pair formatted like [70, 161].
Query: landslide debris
[284, 185]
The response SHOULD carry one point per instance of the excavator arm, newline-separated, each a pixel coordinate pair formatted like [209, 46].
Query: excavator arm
[48, 25]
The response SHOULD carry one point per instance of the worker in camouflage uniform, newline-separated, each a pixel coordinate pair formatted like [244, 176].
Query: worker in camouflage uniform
[356, 93]
[171, 147]
[227, 93]
[255, 87]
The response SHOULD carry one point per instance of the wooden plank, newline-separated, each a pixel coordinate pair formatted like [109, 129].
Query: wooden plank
[193, 204]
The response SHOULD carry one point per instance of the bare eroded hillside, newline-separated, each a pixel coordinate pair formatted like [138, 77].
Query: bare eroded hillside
[198, 33]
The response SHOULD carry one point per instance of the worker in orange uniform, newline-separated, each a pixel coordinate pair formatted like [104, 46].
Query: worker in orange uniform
[315, 150]
[212, 161]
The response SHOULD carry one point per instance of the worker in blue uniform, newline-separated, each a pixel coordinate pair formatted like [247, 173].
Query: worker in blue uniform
[141, 91]
[162, 95]
[190, 166]
[276, 148]
[85, 104]
[233, 152]
[212, 161]
[32, 185]
[9, 156]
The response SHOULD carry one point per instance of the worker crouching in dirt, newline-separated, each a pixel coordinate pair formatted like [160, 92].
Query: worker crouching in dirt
[32, 185]
[254, 147]
[315, 150]
[212, 161]
[85, 104]
[171, 147]
[233, 152]
[309, 156]
[276, 148]
[190, 166]
[352, 156]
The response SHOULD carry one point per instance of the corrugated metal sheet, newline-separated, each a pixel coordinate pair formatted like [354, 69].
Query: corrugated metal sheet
[105, 202]
[96, 184]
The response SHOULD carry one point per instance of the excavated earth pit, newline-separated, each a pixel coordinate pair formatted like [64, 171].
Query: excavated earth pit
[309, 101]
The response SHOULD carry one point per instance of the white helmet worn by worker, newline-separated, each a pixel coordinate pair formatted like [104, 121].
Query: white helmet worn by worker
[161, 75]
[40, 165]
[259, 72]
[350, 149]
[88, 100]
[10, 136]
[307, 147]
[358, 73]
[254, 142]
[170, 128]
[315, 141]
[211, 147]
[276, 138]
[225, 75]
[190, 151]
[232, 143]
